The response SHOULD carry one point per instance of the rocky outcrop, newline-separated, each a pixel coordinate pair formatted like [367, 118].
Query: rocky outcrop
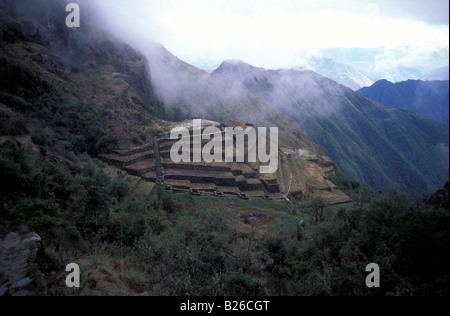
[18, 257]
[439, 199]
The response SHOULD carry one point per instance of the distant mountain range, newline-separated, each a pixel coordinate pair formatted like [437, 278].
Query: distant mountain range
[353, 77]
[396, 74]
[372, 143]
[70, 96]
[339, 72]
[429, 98]
[437, 74]
[191, 92]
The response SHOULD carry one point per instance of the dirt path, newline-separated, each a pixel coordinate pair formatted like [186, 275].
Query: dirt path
[283, 188]
[158, 164]
[135, 186]
[289, 190]
[290, 184]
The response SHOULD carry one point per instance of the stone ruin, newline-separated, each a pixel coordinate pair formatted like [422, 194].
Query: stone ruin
[152, 163]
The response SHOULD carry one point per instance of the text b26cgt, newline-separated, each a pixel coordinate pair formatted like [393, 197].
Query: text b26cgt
[246, 306]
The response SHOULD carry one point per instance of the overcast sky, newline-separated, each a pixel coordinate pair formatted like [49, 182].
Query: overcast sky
[278, 33]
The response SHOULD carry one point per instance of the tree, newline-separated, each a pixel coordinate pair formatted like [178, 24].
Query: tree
[317, 209]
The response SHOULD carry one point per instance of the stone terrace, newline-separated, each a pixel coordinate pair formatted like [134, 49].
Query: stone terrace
[227, 178]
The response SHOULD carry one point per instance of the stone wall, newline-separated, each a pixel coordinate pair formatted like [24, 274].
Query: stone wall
[140, 172]
[120, 163]
[135, 151]
[165, 169]
[271, 186]
[196, 167]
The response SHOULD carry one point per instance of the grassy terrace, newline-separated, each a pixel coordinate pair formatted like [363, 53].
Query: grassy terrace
[189, 173]
[166, 152]
[232, 166]
[204, 186]
[142, 188]
[255, 194]
[150, 176]
[150, 163]
[242, 167]
[198, 173]
[229, 190]
[253, 181]
[269, 176]
[254, 165]
[168, 143]
[332, 197]
[168, 163]
[128, 158]
[178, 183]
[137, 149]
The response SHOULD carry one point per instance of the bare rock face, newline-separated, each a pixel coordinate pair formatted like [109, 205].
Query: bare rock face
[18, 256]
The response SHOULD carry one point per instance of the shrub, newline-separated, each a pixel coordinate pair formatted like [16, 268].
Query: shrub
[119, 188]
[81, 127]
[240, 284]
[15, 102]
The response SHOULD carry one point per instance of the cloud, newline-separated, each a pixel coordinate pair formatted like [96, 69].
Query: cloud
[269, 33]
[385, 61]
[373, 10]
[424, 58]
[282, 35]
[426, 55]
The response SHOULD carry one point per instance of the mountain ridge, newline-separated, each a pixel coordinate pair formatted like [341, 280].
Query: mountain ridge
[339, 72]
[86, 95]
[345, 125]
[191, 92]
[90, 93]
[428, 98]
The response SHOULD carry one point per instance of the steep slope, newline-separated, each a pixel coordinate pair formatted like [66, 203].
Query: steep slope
[373, 144]
[190, 92]
[49, 72]
[339, 72]
[66, 97]
[429, 98]
[65, 92]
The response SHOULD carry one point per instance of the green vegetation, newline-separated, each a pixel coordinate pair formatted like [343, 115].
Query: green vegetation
[373, 144]
[80, 126]
[342, 182]
[381, 154]
[23, 89]
[184, 245]
[57, 113]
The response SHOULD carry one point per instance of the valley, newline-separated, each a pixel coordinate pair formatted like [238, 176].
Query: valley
[371, 143]
[87, 174]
